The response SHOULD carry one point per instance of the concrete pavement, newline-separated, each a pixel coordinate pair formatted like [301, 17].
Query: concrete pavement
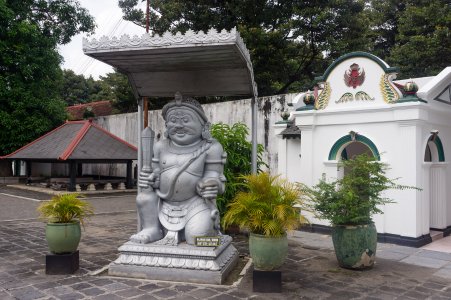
[20, 204]
[310, 272]
[438, 261]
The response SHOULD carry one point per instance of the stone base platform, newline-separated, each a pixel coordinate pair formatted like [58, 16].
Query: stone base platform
[185, 263]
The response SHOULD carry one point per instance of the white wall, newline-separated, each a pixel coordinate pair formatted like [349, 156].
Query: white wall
[400, 133]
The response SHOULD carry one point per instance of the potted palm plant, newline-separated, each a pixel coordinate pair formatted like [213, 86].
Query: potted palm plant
[268, 207]
[349, 204]
[64, 213]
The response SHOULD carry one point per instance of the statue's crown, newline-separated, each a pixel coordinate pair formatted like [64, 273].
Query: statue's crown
[180, 101]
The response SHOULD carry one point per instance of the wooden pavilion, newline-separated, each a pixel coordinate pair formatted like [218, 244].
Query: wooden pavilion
[76, 143]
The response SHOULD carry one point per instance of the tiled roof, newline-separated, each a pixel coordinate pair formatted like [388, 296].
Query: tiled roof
[292, 131]
[77, 140]
[99, 108]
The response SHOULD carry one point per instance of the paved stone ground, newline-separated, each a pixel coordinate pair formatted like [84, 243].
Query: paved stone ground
[18, 204]
[310, 272]
[439, 262]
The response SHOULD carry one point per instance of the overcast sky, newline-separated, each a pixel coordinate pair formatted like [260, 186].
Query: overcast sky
[108, 17]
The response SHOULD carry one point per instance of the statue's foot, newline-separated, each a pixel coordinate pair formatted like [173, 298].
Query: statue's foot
[171, 239]
[146, 236]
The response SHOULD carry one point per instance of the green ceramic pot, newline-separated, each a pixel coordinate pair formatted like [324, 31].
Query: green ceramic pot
[63, 237]
[268, 253]
[355, 246]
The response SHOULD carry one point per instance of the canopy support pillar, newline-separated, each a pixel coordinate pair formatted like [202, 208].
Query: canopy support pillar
[254, 135]
[140, 129]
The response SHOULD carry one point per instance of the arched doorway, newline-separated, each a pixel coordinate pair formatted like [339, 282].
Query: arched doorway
[353, 149]
[434, 159]
[354, 144]
[349, 146]
[434, 149]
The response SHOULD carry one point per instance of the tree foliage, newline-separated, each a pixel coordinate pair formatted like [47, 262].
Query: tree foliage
[77, 89]
[58, 20]
[117, 85]
[114, 86]
[30, 76]
[423, 42]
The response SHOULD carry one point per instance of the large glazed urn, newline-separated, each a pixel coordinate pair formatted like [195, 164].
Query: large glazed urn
[63, 237]
[355, 245]
[268, 253]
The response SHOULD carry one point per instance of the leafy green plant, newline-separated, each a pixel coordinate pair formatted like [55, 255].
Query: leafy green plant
[65, 208]
[234, 141]
[353, 199]
[269, 205]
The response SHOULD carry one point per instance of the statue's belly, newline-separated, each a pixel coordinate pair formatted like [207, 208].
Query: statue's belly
[185, 187]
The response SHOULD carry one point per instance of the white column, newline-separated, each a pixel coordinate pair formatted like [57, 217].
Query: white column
[405, 216]
[306, 168]
[425, 199]
[140, 129]
[281, 150]
[437, 186]
[254, 133]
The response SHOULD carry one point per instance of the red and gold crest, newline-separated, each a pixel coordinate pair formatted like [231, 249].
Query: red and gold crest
[354, 77]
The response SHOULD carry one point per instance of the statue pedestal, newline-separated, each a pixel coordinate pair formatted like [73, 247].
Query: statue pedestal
[185, 263]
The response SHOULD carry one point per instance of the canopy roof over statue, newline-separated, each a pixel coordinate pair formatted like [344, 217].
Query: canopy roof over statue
[195, 64]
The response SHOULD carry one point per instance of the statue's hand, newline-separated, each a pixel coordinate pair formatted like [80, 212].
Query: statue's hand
[145, 180]
[208, 188]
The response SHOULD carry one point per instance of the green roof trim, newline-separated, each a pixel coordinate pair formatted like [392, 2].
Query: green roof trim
[439, 145]
[410, 98]
[306, 107]
[356, 54]
[334, 155]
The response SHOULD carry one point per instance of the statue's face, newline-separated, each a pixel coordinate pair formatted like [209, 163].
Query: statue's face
[183, 126]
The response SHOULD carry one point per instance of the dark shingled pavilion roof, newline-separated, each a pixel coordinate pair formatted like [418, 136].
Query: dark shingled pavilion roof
[83, 141]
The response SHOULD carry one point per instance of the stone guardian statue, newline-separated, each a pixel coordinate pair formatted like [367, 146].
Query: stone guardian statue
[180, 178]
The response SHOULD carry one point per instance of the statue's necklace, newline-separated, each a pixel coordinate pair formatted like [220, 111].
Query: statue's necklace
[177, 149]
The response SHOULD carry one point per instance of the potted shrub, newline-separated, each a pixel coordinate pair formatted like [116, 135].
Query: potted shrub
[64, 214]
[349, 204]
[268, 207]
